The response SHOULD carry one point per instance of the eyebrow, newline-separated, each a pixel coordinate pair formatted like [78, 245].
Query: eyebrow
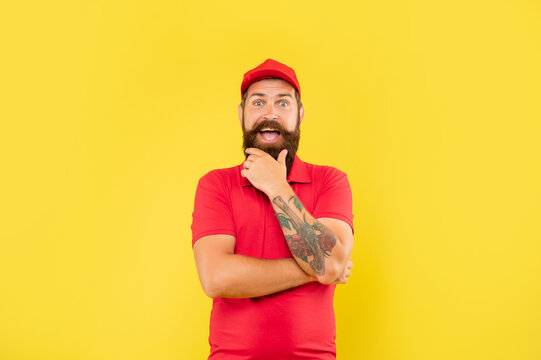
[264, 95]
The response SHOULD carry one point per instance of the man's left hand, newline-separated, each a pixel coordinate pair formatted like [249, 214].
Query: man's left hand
[265, 173]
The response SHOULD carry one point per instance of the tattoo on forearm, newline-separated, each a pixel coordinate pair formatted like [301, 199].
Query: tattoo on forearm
[309, 242]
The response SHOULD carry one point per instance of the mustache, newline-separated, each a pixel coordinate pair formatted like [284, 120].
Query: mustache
[289, 141]
[271, 124]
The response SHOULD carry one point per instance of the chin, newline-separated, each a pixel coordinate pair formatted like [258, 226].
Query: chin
[273, 146]
[272, 149]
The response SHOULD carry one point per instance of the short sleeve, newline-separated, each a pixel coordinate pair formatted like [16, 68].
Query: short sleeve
[334, 200]
[212, 209]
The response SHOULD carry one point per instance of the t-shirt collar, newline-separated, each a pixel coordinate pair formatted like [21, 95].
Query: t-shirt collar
[298, 174]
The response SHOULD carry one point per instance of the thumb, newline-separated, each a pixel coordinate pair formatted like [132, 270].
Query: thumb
[282, 157]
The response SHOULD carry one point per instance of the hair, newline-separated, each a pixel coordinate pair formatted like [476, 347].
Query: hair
[297, 97]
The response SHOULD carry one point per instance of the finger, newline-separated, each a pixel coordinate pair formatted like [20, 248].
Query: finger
[350, 264]
[247, 164]
[243, 172]
[282, 157]
[254, 151]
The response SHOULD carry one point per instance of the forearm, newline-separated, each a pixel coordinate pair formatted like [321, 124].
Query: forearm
[239, 276]
[316, 249]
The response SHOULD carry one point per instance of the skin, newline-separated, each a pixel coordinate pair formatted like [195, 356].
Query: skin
[270, 106]
[225, 274]
[269, 176]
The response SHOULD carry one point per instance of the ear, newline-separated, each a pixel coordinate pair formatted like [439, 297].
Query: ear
[240, 115]
[301, 114]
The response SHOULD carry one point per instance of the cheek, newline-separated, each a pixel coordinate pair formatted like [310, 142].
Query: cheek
[248, 124]
[292, 123]
[250, 116]
[247, 120]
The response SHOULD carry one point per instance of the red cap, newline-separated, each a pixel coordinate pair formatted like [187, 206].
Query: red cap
[270, 69]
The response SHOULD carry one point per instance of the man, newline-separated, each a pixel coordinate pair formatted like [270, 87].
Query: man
[272, 236]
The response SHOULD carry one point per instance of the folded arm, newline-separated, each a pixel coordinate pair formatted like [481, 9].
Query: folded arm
[321, 247]
[223, 273]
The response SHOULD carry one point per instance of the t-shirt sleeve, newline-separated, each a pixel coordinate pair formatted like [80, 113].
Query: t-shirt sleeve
[212, 210]
[334, 200]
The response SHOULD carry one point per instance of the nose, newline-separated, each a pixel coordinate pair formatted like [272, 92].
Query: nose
[270, 117]
[270, 113]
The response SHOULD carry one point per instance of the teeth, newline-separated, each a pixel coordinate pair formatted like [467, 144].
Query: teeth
[268, 129]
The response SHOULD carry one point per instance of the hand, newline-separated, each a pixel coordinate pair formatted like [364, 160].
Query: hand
[265, 173]
[343, 278]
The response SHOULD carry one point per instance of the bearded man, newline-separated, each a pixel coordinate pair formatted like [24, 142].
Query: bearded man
[273, 236]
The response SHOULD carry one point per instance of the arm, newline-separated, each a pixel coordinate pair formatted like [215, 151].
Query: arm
[321, 247]
[225, 274]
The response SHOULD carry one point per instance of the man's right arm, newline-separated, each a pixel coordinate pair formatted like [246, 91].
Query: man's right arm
[223, 273]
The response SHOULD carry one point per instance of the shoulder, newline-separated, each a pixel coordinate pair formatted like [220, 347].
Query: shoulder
[216, 185]
[220, 176]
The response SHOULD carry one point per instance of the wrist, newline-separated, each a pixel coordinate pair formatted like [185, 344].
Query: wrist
[310, 278]
[279, 189]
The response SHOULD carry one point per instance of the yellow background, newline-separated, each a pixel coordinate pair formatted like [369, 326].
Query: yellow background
[112, 110]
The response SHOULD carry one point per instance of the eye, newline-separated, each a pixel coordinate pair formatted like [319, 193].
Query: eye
[283, 103]
[258, 102]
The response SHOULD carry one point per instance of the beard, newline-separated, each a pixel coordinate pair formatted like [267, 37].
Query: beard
[288, 140]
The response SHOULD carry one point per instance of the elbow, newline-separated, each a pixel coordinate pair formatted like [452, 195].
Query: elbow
[210, 291]
[212, 286]
[330, 275]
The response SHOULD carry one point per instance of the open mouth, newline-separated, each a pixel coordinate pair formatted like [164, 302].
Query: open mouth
[269, 134]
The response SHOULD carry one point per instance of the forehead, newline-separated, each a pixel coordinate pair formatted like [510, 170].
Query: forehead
[271, 87]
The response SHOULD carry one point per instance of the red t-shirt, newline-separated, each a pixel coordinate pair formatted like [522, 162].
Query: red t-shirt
[297, 323]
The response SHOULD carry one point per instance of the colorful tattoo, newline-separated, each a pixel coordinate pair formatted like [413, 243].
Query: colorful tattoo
[309, 242]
